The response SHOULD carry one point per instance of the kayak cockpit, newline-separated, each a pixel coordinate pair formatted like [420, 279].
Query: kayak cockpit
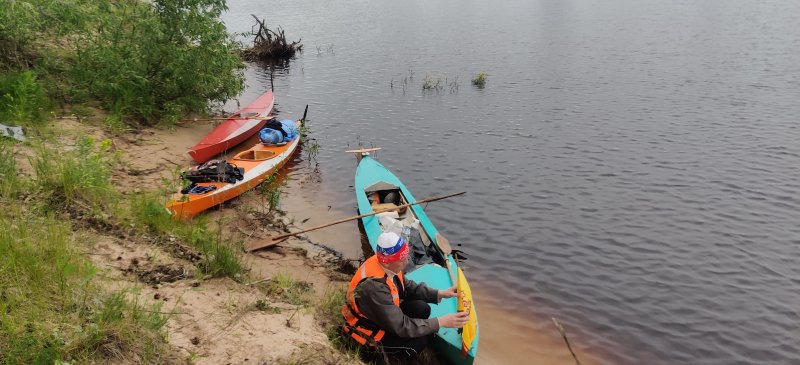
[255, 155]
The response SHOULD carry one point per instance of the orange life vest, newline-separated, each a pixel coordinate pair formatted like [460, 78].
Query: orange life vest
[359, 327]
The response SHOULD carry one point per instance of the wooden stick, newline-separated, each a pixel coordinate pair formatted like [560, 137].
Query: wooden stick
[266, 243]
[564, 335]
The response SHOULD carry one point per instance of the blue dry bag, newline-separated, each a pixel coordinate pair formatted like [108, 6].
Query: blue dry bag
[289, 128]
[270, 136]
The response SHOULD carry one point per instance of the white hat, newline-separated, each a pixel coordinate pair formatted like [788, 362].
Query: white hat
[391, 247]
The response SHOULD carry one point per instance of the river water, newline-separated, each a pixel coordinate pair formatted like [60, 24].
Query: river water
[631, 165]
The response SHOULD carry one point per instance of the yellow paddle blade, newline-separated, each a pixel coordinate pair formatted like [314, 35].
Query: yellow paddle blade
[465, 303]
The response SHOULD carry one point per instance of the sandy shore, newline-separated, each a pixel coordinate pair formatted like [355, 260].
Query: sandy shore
[215, 321]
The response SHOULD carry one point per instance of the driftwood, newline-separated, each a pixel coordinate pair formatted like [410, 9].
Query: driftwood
[270, 45]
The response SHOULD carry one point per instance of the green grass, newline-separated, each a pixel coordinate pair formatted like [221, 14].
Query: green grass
[9, 181]
[220, 257]
[79, 175]
[288, 290]
[52, 310]
[23, 100]
[329, 316]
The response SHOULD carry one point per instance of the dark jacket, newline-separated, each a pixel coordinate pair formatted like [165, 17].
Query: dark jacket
[375, 302]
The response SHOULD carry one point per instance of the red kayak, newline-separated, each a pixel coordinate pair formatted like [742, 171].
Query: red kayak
[235, 129]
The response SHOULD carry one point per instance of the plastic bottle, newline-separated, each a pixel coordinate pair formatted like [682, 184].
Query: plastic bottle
[406, 232]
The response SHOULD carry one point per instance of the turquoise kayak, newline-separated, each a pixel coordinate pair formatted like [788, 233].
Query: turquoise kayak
[373, 181]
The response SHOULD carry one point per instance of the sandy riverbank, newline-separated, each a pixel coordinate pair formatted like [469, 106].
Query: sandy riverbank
[215, 321]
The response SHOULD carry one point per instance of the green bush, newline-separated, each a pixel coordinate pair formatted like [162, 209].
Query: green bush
[23, 100]
[158, 61]
[150, 60]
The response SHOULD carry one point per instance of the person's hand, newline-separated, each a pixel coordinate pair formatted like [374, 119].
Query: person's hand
[454, 320]
[447, 293]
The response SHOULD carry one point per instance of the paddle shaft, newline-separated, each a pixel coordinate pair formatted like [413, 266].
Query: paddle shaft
[225, 118]
[444, 246]
[266, 243]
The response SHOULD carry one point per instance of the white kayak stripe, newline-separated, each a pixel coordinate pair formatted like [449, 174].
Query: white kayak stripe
[249, 124]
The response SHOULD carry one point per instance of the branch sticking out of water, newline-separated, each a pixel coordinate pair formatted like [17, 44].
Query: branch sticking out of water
[564, 335]
[272, 45]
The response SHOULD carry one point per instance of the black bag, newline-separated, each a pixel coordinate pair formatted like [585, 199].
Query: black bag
[276, 125]
[214, 171]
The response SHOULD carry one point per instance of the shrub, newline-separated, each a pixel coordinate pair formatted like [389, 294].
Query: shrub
[160, 60]
[22, 99]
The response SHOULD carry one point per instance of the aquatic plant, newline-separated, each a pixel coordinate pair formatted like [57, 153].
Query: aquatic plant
[453, 85]
[433, 83]
[479, 80]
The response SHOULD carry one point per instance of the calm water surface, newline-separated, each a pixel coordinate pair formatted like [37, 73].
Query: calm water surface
[631, 165]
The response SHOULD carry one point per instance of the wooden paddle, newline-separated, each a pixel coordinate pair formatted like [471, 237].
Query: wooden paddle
[278, 239]
[235, 116]
[444, 246]
[363, 151]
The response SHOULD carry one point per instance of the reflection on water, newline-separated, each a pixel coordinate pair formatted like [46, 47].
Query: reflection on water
[631, 166]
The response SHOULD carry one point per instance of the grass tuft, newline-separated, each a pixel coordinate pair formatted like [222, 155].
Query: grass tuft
[79, 176]
[23, 100]
[329, 315]
[286, 289]
[479, 80]
[9, 181]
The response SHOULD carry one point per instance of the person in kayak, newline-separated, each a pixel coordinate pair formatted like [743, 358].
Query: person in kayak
[388, 312]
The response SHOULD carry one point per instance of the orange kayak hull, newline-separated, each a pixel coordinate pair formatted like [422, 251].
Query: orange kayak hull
[258, 162]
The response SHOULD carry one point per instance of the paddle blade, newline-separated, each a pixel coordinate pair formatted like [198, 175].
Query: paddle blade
[443, 244]
[470, 330]
[262, 244]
